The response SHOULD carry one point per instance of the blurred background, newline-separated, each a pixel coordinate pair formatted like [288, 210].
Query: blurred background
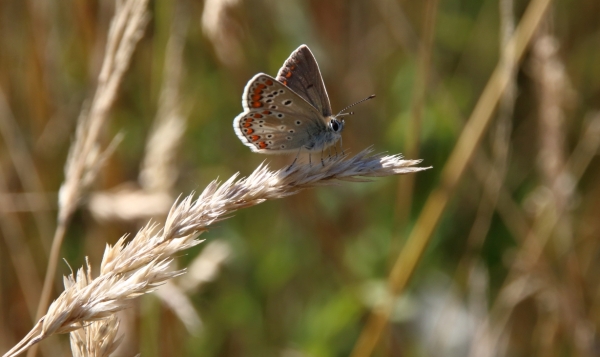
[510, 270]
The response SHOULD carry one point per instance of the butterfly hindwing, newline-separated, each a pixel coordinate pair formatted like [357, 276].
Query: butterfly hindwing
[277, 120]
[301, 73]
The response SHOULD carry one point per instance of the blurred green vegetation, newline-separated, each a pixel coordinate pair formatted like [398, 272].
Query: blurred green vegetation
[305, 271]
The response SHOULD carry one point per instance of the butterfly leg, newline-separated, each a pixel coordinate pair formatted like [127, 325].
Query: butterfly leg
[293, 162]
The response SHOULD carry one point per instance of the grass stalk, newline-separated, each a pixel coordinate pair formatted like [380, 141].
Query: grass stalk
[129, 270]
[452, 172]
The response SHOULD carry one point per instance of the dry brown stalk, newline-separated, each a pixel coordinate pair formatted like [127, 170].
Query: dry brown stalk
[419, 97]
[451, 174]
[159, 163]
[83, 161]
[517, 285]
[205, 268]
[533, 277]
[220, 28]
[85, 157]
[20, 155]
[493, 179]
[20, 254]
[500, 135]
[534, 260]
[129, 270]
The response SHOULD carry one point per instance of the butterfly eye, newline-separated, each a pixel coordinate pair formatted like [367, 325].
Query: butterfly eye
[335, 125]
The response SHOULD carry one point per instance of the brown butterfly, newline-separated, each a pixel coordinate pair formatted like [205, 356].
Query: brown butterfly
[291, 112]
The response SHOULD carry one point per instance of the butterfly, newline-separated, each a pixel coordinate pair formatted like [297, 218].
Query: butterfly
[291, 112]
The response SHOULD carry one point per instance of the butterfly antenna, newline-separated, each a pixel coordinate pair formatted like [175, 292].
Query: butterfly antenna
[351, 105]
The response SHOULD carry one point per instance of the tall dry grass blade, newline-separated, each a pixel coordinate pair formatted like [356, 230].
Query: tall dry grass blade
[129, 270]
[220, 28]
[13, 234]
[173, 297]
[28, 174]
[519, 286]
[500, 134]
[560, 178]
[205, 266]
[159, 164]
[20, 255]
[511, 213]
[554, 93]
[399, 25]
[85, 156]
[531, 250]
[493, 179]
[453, 170]
[419, 95]
[532, 265]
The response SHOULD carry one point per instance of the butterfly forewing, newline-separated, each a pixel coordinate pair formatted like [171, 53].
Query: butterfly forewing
[277, 120]
[301, 73]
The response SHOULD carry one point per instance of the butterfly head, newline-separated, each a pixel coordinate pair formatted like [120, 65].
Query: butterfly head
[335, 124]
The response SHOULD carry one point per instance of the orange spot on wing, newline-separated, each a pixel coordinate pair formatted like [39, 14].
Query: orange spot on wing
[262, 145]
[284, 83]
[256, 96]
[256, 104]
[254, 137]
[269, 82]
[257, 116]
[250, 131]
[266, 112]
[247, 125]
[288, 74]
[259, 88]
